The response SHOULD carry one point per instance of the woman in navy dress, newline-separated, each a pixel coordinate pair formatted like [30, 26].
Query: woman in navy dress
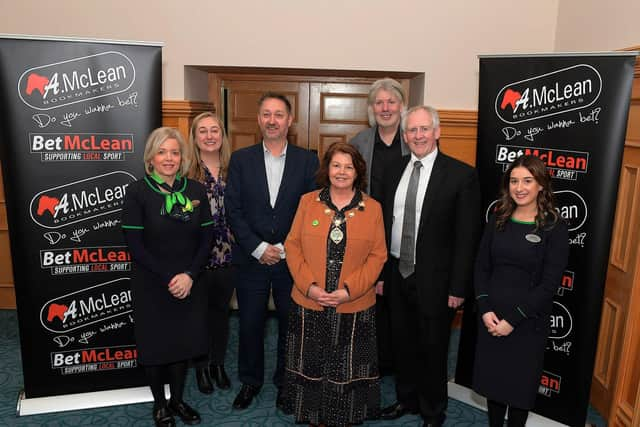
[522, 256]
[210, 161]
[167, 225]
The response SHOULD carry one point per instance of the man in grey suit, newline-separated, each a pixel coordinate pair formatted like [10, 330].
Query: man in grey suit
[382, 145]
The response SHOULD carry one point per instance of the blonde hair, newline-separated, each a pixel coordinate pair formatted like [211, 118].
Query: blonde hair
[196, 171]
[387, 84]
[156, 139]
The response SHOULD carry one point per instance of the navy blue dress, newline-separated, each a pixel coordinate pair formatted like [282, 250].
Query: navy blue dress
[517, 273]
[167, 329]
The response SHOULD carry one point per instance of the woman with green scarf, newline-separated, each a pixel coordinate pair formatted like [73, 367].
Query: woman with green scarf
[167, 224]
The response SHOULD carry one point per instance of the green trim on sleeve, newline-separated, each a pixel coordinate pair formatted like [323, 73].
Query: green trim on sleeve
[133, 227]
[521, 312]
[482, 296]
[205, 224]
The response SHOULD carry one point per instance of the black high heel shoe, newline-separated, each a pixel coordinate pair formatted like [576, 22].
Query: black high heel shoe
[162, 417]
[220, 376]
[187, 414]
[204, 382]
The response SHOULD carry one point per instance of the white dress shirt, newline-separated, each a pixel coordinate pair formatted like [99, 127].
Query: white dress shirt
[274, 166]
[401, 195]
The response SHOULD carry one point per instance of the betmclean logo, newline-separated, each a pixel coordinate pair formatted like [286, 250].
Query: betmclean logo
[568, 89]
[80, 146]
[87, 306]
[86, 260]
[80, 200]
[562, 164]
[94, 359]
[76, 80]
[549, 383]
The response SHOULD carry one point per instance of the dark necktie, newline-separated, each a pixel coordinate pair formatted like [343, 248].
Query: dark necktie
[407, 242]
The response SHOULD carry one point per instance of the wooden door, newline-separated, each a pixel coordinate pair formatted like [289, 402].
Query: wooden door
[242, 98]
[337, 112]
[326, 109]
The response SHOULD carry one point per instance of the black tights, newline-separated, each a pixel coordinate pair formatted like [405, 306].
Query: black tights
[157, 376]
[497, 410]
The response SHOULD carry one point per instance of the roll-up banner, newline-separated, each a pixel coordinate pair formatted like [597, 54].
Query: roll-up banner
[74, 116]
[570, 111]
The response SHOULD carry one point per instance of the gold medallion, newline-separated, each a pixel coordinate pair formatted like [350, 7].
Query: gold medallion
[336, 235]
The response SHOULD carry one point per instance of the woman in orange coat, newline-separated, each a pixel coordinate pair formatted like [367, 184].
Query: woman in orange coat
[335, 252]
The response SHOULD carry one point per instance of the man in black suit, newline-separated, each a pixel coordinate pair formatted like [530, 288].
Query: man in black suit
[431, 205]
[264, 185]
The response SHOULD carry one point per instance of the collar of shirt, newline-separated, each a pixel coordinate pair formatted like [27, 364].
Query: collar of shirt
[284, 150]
[427, 161]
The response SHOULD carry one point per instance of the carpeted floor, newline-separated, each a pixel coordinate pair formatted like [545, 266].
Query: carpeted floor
[215, 409]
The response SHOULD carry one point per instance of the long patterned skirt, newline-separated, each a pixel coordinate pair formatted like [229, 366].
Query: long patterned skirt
[331, 374]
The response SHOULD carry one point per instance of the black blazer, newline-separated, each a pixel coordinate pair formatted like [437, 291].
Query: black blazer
[246, 198]
[448, 230]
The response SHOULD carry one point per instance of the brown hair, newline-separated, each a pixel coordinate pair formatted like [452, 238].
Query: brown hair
[275, 95]
[547, 213]
[322, 176]
[196, 171]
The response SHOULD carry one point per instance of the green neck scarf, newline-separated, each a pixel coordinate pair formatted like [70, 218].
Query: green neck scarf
[174, 198]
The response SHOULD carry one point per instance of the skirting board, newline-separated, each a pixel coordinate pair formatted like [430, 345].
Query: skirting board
[79, 401]
[468, 396]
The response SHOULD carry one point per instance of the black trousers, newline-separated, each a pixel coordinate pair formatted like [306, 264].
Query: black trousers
[219, 284]
[420, 349]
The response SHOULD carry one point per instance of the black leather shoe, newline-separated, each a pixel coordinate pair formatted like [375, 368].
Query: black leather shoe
[204, 382]
[162, 417]
[187, 414]
[245, 396]
[396, 410]
[220, 377]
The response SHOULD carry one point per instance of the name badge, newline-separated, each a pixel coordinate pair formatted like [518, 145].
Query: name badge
[533, 238]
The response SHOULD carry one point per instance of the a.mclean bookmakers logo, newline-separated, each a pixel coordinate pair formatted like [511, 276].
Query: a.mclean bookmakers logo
[76, 80]
[87, 306]
[80, 200]
[546, 95]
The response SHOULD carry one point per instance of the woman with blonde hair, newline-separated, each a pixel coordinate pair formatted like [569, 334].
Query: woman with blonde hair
[210, 153]
[167, 226]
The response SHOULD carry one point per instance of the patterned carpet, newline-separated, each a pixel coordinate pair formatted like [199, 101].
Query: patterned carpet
[215, 409]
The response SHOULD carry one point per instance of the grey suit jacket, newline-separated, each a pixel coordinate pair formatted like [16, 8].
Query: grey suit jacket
[364, 141]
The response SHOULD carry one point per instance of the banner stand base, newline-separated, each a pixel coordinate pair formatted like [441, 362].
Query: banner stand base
[79, 401]
[471, 398]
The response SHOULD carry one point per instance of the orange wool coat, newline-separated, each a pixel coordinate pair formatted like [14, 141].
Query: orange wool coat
[365, 253]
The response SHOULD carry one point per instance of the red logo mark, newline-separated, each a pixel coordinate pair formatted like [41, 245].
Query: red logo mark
[36, 82]
[47, 203]
[57, 310]
[510, 98]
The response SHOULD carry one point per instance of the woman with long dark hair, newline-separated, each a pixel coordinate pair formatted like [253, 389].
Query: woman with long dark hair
[522, 255]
